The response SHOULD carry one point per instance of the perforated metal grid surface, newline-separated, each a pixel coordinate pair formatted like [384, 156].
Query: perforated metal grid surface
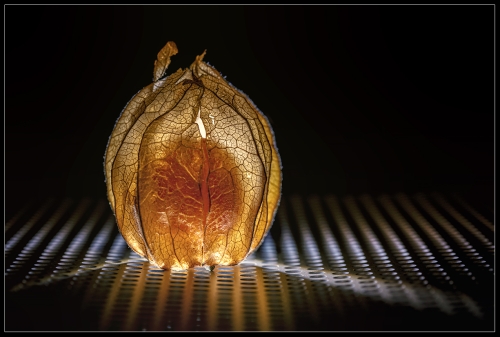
[422, 262]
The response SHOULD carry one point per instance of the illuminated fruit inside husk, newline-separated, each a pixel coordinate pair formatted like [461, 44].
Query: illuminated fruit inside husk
[193, 174]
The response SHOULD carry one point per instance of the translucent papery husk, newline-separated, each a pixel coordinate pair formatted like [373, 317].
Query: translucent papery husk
[193, 174]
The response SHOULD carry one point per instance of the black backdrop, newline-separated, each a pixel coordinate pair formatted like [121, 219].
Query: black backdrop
[362, 98]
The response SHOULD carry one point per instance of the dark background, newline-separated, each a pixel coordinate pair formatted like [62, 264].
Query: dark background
[362, 99]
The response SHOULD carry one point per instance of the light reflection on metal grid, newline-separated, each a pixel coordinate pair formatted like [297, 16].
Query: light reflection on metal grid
[390, 262]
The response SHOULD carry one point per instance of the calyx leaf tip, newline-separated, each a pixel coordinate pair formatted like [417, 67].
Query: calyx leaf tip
[163, 60]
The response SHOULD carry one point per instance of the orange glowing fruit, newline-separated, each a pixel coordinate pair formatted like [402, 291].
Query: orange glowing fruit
[193, 174]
